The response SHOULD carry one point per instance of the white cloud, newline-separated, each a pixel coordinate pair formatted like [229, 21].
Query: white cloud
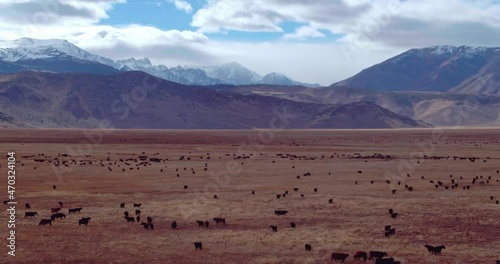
[303, 33]
[182, 5]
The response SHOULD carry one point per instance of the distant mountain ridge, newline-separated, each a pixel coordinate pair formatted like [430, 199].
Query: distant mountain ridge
[56, 55]
[457, 69]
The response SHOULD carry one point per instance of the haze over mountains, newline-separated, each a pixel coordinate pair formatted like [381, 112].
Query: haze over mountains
[53, 83]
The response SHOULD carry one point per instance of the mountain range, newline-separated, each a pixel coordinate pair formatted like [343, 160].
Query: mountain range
[56, 55]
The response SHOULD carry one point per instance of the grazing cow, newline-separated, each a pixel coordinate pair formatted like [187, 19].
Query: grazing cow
[174, 225]
[384, 261]
[74, 210]
[27, 206]
[308, 247]
[220, 220]
[60, 204]
[200, 223]
[253, 192]
[390, 232]
[387, 227]
[295, 189]
[129, 219]
[45, 222]
[137, 212]
[274, 228]
[122, 205]
[57, 216]
[198, 245]
[185, 186]
[278, 196]
[376, 255]
[280, 212]
[292, 224]
[394, 215]
[215, 196]
[207, 224]
[55, 210]
[330, 200]
[149, 219]
[315, 189]
[339, 257]
[391, 211]
[360, 255]
[393, 191]
[437, 250]
[147, 225]
[53, 187]
[137, 205]
[30, 214]
[125, 213]
[84, 221]
[138, 218]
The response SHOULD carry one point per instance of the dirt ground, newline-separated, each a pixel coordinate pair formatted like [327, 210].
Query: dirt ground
[103, 169]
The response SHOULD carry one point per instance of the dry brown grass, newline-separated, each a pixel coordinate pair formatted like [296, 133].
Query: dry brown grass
[467, 222]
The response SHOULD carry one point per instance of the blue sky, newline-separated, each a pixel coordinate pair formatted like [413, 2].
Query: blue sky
[315, 41]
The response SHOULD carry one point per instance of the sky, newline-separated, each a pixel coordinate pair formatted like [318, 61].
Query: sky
[314, 41]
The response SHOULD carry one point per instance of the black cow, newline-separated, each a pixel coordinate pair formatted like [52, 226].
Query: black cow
[149, 219]
[137, 205]
[74, 210]
[436, 250]
[147, 225]
[27, 206]
[390, 232]
[274, 228]
[292, 225]
[280, 212]
[198, 245]
[129, 219]
[308, 247]
[376, 255]
[30, 214]
[122, 205]
[220, 220]
[54, 187]
[391, 211]
[138, 218]
[207, 224]
[360, 255]
[278, 196]
[125, 213]
[394, 215]
[45, 222]
[174, 225]
[84, 221]
[137, 212]
[60, 204]
[200, 223]
[339, 257]
[57, 216]
[387, 227]
[295, 189]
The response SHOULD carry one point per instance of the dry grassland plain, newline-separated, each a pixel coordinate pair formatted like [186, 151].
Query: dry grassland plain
[238, 162]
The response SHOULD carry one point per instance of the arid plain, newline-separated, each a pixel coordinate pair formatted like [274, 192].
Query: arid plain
[103, 169]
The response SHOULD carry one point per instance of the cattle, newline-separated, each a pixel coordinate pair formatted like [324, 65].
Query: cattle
[390, 232]
[198, 245]
[315, 189]
[30, 214]
[60, 204]
[173, 225]
[394, 215]
[330, 200]
[125, 213]
[308, 247]
[435, 250]
[295, 189]
[149, 219]
[146, 225]
[393, 191]
[137, 212]
[74, 210]
[391, 211]
[27, 206]
[84, 221]
[387, 227]
[207, 224]
[200, 223]
[138, 218]
[45, 222]
[339, 257]
[137, 205]
[274, 228]
[360, 255]
[57, 216]
[253, 192]
[185, 186]
[55, 210]
[292, 225]
[376, 255]
[215, 196]
[220, 220]
[129, 219]
[278, 196]
[54, 187]
[384, 261]
[122, 205]
[280, 212]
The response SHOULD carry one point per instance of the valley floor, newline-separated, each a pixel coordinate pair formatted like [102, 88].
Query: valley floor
[104, 169]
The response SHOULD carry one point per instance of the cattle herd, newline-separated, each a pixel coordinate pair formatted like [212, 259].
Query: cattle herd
[136, 213]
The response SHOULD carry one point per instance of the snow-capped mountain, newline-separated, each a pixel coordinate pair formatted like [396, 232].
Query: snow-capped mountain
[56, 55]
[459, 69]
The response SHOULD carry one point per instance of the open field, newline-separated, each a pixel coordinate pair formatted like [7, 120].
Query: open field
[238, 162]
